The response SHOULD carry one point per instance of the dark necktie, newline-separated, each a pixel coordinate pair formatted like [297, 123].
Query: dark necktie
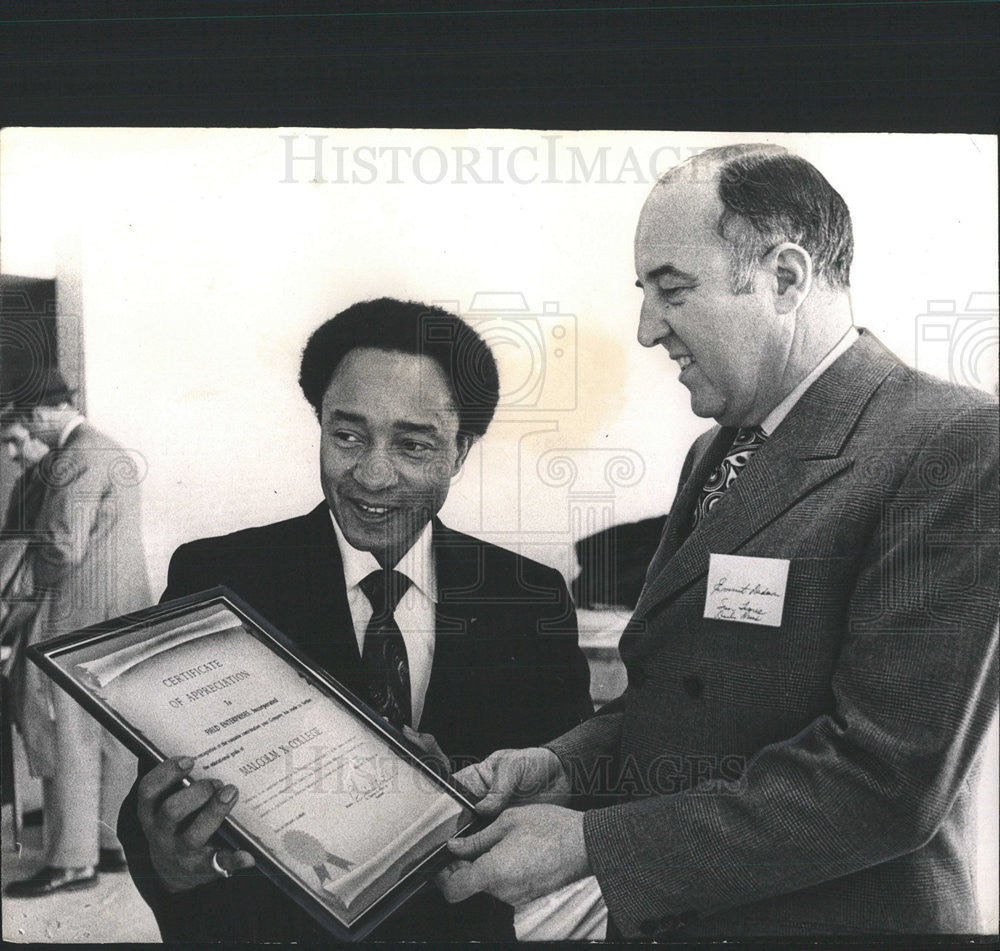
[746, 443]
[383, 659]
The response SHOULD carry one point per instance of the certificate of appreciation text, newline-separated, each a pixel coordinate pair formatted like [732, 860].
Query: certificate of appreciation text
[325, 792]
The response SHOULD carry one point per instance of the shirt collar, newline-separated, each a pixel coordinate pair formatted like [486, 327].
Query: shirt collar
[780, 411]
[67, 429]
[417, 564]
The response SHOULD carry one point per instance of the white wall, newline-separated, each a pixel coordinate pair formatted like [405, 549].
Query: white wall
[200, 272]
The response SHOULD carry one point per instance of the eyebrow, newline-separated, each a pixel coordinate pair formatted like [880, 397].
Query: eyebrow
[403, 425]
[342, 416]
[668, 270]
[419, 428]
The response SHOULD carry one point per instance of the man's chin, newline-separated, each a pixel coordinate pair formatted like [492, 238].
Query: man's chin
[389, 540]
[707, 405]
[708, 411]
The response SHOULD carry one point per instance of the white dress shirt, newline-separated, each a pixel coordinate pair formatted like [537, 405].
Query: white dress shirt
[785, 406]
[414, 613]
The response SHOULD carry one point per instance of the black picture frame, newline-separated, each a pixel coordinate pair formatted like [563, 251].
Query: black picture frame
[51, 657]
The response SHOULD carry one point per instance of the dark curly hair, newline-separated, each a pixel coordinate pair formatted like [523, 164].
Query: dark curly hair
[388, 324]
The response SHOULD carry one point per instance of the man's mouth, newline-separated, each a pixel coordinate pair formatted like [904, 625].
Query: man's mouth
[373, 510]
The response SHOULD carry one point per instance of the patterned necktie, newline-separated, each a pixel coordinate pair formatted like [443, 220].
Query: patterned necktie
[746, 443]
[383, 659]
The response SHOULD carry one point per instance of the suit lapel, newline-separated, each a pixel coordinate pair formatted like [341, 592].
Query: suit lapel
[765, 490]
[456, 617]
[681, 511]
[79, 432]
[53, 461]
[317, 597]
[803, 452]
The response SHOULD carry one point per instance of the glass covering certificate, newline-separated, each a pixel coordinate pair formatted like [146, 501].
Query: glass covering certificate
[328, 794]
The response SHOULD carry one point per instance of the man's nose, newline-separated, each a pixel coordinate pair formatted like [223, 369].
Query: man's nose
[374, 470]
[652, 327]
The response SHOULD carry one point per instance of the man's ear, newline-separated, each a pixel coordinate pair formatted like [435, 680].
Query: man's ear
[465, 443]
[791, 270]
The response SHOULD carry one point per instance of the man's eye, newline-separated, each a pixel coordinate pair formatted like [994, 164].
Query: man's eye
[674, 293]
[347, 438]
[416, 448]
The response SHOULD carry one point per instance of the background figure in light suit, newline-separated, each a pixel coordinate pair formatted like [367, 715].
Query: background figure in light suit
[814, 777]
[86, 564]
[26, 496]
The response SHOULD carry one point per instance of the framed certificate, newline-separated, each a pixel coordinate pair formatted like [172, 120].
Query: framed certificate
[335, 805]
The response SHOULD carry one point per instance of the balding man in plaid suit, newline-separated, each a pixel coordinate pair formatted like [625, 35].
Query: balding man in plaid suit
[812, 662]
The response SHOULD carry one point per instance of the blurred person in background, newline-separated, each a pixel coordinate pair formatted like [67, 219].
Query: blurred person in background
[23, 505]
[80, 515]
[16, 604]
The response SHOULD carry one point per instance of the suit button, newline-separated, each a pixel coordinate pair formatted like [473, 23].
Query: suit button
[692, 686]
[637, 677]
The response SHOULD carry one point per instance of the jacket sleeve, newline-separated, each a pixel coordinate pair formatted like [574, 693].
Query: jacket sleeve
[564, 672]
[914, 692]
[79, 500]
[589, 752]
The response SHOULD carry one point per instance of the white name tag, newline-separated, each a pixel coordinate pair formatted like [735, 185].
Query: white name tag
[748, 590]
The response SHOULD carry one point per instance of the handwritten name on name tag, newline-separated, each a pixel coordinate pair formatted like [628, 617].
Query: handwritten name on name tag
[748, 590]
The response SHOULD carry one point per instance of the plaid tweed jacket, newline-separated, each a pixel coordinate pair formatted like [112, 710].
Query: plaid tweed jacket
[817, 777]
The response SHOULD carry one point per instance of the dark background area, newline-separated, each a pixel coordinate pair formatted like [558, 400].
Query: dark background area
[698, 65]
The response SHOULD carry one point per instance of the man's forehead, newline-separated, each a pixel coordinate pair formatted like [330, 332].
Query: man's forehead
[376, 403]
[681, 215]
[388, 386]
[407, 418]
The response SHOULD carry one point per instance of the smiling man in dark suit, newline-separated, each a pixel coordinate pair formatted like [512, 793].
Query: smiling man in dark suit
[480, 649]
[812, 663]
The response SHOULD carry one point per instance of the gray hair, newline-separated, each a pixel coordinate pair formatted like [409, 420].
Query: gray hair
[768, 196]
